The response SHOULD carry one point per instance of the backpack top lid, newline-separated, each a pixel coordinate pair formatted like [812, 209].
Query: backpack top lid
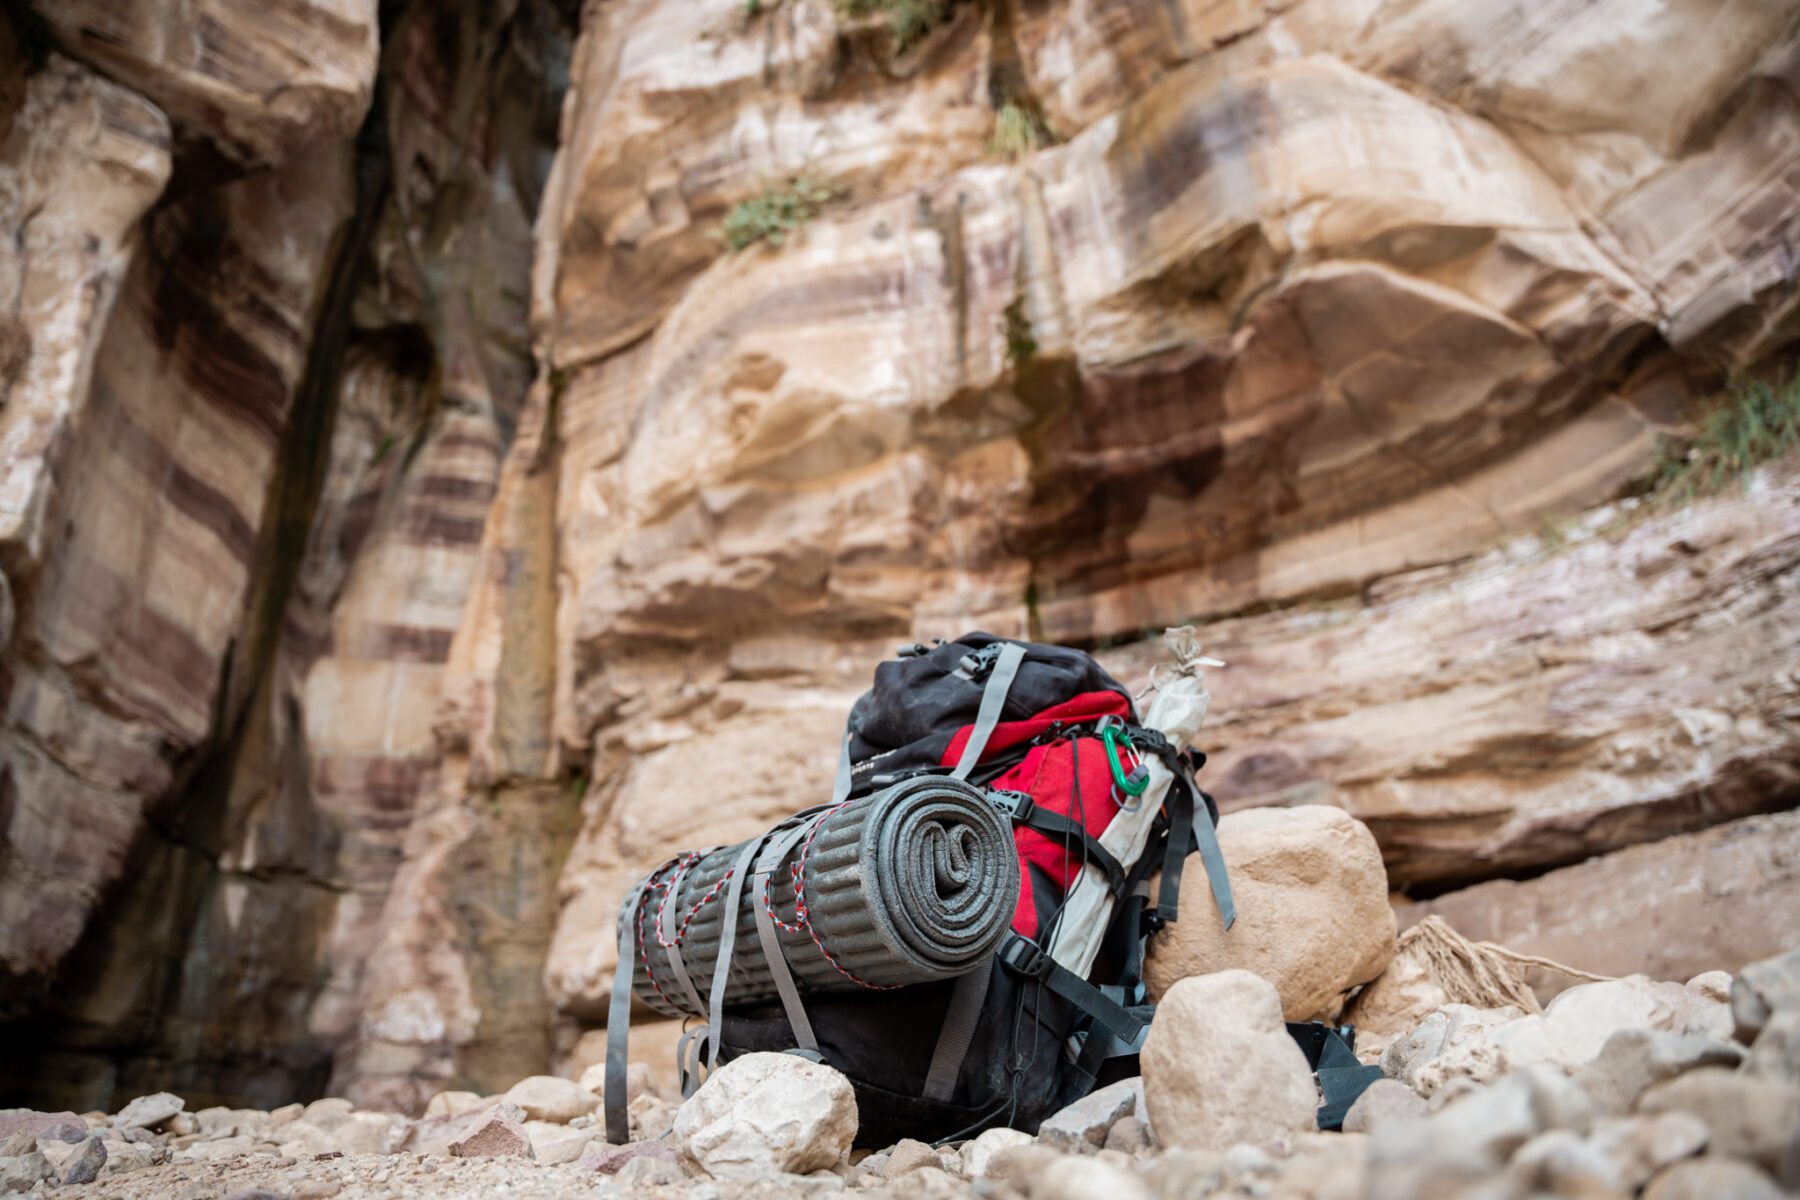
[924, 698]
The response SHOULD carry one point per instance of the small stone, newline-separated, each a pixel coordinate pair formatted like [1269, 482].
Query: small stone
[329, 1106]
[554, 1144]
[86, 1165]
[909, 1155]
[452, 1104]
[1022, 1167]
[651, 1117]
[1130, 1136]
[1573, 1028]
[609, 1160]
[1633, 1059]
[548, 1098]
[1712, 1179]
[1776, 1052]
[1763, 989]
[499, 1136]
[1455, 1042]
[17, 1144]
[978, 1155]
[1561, 1163]
[768, 1112]
[122, 1156]
[181, 1125]
[1220, 1068]
[1749, 1117]
[646, 1171]
[256, 1194]
[23, 1172]
[1382, 1103]
[45, 1126]
[149, 1112]
[1712, 985]
[1080, 1128]
[235, 1146]
[637, 1079]
[285, 1114]
[1084, 1178]
[1186, 1173]
[318, 1189]
[1639, 1147]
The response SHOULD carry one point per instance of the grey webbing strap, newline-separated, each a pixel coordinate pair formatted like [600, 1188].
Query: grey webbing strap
[1216, 873]
[960, 1021]
[618, 1023]
[734, 894]
[665, 932]
[840, 790]
[687, 1064]
[771, 947]
[993, 699]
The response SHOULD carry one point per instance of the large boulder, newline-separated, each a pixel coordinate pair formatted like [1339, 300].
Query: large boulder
[1313, 915]
[1220, 1067]
[766, 1113]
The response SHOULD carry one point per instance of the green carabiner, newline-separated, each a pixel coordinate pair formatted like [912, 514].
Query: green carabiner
[1139, 779]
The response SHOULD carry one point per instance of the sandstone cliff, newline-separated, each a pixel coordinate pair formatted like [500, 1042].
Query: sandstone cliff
[415, 520]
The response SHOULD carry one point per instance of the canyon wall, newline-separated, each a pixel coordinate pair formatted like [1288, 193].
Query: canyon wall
[416, 521]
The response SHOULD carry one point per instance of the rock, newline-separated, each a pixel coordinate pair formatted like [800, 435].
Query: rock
[1633, 1059]
[978, 1155]
[1130, 1135]
[1187, 1174]
[122, 1157]
[23, 1172]
[1081, 1127]
[452, 1104]
[1776, 1052]
[1382, 1103]
[651, 1117]
[637, 1080]
[768, 1112]
[1712, 985]
[149, 1112]
[1763, 989]
[647, 1171]
[1712, 1179]
[908, 1155]
[1749, 1117]
[1220, 1068]
[85, 1167]
[57, 1126]
[1639, 1147]
[1577, 1023]
[1467, 1140]
[1088, 1179]
[219, 1149]
[1560, 1162]
[547, 1098]
[1456, 1042]
[498, 1135]
[1313, 915]
[284, 1115]
[609, 1160]
[553, 1144]
[18, 1143]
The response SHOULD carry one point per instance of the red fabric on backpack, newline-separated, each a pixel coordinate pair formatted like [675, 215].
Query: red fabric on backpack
[1048, 775]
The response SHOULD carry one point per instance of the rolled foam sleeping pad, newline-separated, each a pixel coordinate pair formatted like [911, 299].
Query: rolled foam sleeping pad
[908, 885]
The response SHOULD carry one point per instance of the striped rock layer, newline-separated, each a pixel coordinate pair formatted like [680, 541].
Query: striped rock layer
[416, 522]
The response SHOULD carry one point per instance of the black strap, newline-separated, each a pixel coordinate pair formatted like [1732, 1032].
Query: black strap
[961, 1020]
[1021, 808]
[1026, 957]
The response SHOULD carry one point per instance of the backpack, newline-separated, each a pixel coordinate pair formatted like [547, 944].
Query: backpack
[1060, 1008]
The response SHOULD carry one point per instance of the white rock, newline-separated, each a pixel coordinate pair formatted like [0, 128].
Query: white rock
[1712, 985]
[1081, 1127]
[1086, 1178]
[553, 1144]
[978, 1155]
[637, 1079]
[1455, 1042]
[149, 1112]
[768, 1112]
[1220, 1068]
[1575, 1025]
[548, 1098]
[452, 1104]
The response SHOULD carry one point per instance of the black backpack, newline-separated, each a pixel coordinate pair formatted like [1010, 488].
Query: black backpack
[1057, 744]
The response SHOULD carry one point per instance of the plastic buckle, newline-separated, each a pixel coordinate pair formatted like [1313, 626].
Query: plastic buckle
[1026, 957]
[1016, 805]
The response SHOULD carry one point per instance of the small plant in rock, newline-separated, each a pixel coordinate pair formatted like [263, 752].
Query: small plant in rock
[909, 20]
[1018, 131]
[1755, 421]
[776, 212]
[1020, 345]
